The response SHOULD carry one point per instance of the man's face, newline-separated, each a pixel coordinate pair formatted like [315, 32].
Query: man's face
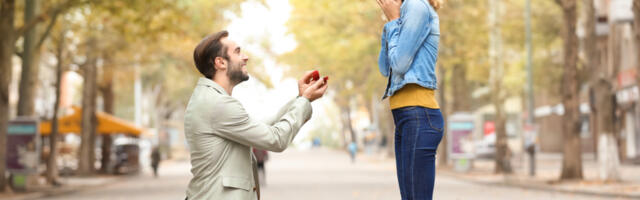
[236, 67]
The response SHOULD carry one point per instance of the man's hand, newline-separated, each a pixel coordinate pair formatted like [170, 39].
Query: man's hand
[391, 8]
[306, 81]
[310, 88]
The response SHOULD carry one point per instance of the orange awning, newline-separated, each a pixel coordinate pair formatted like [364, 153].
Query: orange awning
[107, 124]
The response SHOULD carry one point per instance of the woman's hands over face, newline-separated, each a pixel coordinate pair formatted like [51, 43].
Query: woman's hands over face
[391, 8]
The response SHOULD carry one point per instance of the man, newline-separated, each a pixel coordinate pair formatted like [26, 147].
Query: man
[221, 134]
[155, 160]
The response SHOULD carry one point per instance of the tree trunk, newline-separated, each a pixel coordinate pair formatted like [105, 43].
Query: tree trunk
[572, 153]
[461, 100]
[86, 156]
[636, 25]
[30, 63]
[608, 160]
[108, 99]
[502, 158]
[346, 124]
[387, 127]
[442, 152]
[7, 40]
[52, 166]
[349, 125]
[592, 64]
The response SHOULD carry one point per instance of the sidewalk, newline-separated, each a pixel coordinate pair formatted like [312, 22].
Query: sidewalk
[548, 167]
[69, 185]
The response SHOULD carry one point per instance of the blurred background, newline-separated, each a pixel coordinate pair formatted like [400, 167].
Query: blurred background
[540, 97]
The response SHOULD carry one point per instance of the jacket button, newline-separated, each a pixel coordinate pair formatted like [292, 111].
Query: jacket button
[254, 189]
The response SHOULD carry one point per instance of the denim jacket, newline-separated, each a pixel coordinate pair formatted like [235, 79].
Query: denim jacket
[410, 47]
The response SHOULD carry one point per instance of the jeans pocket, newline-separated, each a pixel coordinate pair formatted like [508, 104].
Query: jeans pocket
[430, 130]
[428, 138]
[435, 119]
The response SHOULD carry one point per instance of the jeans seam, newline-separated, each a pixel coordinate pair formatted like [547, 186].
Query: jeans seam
[399, 149]
[413, 152]
[402, 164]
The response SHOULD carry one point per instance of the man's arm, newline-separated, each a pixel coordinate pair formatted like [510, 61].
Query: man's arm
[232, 122]
[274, 118]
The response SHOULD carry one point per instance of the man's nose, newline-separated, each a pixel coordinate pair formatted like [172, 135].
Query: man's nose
[245, 57]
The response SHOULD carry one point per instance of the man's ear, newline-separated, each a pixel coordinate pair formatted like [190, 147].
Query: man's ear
[219, 63]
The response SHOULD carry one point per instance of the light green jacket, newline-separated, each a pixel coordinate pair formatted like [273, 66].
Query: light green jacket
[220, 135]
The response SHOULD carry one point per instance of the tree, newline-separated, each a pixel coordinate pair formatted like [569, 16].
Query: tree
[636, 25]
[86, 155]
[30, 57]
[52, 165]
[502, 158]
[572, 154]
[34, 37]
[462, 59]
[342, 40]
[10, 34]
[7, 45]
[601, 97]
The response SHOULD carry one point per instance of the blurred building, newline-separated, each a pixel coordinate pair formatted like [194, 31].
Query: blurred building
[619, 54]
[623, 59]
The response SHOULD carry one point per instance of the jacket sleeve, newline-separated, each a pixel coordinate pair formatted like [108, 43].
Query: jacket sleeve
[406, 34]
[233, 123]
[382, 59]
[274, 118]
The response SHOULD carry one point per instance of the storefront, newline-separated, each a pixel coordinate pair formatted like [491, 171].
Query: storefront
[627, 100]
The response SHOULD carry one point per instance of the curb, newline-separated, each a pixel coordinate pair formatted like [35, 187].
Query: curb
[538, 187]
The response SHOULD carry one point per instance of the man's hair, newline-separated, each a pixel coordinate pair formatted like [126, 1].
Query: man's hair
[206, 52]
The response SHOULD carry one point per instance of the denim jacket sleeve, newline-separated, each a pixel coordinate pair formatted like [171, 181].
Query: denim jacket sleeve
[382, 59]
[404, 36]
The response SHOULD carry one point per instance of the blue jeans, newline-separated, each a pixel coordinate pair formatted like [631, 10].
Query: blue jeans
[418, 133]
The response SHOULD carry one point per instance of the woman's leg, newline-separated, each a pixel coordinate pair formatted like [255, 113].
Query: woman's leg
[405, 121]
[397, 147]
[428, 135]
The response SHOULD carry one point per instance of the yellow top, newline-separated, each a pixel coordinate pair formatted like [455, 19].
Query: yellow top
[414, 95]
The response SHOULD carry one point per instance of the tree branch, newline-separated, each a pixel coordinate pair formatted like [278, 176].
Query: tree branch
[560, 3]
[50, 12]
[44, 35]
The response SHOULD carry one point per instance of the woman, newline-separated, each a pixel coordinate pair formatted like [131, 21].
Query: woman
[408, 57]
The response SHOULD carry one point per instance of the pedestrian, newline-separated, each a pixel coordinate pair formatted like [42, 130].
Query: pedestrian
[261, 157]
[155, 160]
[219, 131]
[353, 148]
[408, 58]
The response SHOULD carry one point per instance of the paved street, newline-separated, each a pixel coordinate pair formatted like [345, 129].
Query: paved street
[313, 175]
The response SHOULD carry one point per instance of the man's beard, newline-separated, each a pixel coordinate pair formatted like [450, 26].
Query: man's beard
[235, 73]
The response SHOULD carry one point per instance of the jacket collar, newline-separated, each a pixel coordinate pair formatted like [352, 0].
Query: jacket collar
[212, 84]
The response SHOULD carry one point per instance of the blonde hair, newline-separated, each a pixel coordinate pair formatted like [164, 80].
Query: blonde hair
[436, 4]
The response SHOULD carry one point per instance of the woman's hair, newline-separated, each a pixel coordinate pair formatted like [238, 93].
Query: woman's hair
[436, 4]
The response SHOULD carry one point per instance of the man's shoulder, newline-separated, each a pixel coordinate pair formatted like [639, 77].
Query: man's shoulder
[210, 98]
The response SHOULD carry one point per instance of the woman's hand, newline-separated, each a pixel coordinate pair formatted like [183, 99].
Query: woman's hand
[391, 8]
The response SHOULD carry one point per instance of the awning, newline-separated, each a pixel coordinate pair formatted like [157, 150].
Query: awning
[107, 124]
